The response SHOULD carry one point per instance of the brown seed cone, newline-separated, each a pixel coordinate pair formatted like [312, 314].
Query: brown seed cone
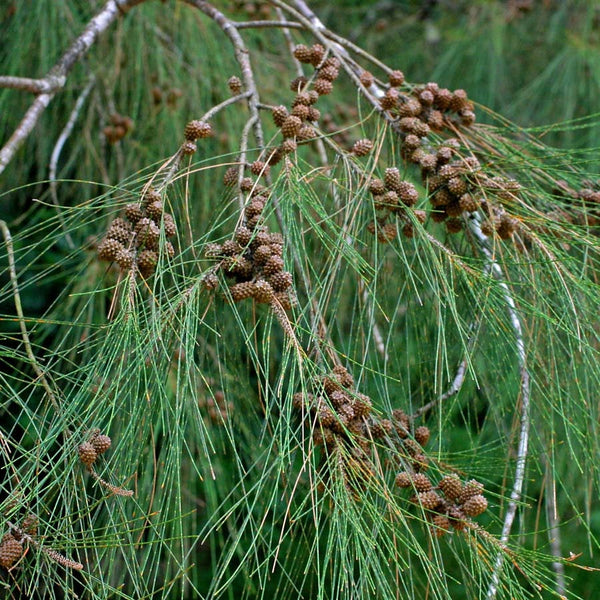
[134, 212]
[306, 133]
[108, 249]
[254, 208]
[230, 178]
[410, 108]
[240, 266]
[329, 73]
[421, 482]
[288, 146]
[291, 126]
[262, 254]
[467, 117]
[390, 99]
[420, 215]
[101, 443]
[87, 454]
[169, 225]
[401, 422]
[322, 86]
[454, 225]
[438, 216]
[298, 84]
[468, 203]
[230, 248]
[314, 114]
[317, 52]
[507, 226]
[286, 299]
[457, 186]
[444, 155]
[189, 147]
[210, 281]
[125, 259]
[471, 488]
[387, 233]
[150, 196]
[234, 84]
[403, 479]
[281, 281]
[30, 524]
[411, 447]
[440, 525]
[487, 228]
[280, 114]
[338, 398]
[259, 168]
[243, 235]
[146, 262]
[362, 147]
[377, 186]
[451, 486]
[407, 192]
[427, 162]
[169, 249]
[155, 210]
[426, 97]
[396, 78]
[475, 505]
[454, 209]
[367, 79]
[302, 53]
[197, 129]
[429, 500]
[120, 234]
[300, 111]
[422, 435]
[147, 233]
[458, 100]
[241, 291]
[412, 141]
[274, 264]
[420, 462]
[443, 97]
[212, 250]
[11, 551]
[392, 178]
[332, 61]
[456, 518]
[325, 415]
[263, 292]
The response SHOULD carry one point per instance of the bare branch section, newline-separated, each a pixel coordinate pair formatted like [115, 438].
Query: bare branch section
[48, 86]
[525, 418]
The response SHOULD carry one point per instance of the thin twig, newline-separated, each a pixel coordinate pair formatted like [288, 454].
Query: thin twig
[57, 76]
[523, 442]
[60, 142]
[17, 298]
[554, 530]
[262, 24]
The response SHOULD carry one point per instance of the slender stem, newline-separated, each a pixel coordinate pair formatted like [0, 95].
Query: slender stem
[525, 419]
[60, 142]
[19, 308]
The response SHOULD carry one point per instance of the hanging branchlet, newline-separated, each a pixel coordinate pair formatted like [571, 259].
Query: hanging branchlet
[88, 453]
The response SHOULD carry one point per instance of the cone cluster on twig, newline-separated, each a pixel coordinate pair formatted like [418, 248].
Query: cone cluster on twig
[393, 196]
[134, 241]
[449, 505]
[215, 407]
[120, 126]
[253, 261]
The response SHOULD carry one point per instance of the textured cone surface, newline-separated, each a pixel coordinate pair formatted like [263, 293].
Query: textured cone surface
[362, 147]
[471, 488]
[235, 85]
[133, 212]
[280, 114]
[258, 167]
[396, 78]
[314, 114]
[197, 129]
[150, 196]
[367, 79]
[392, 178]
[451, 486]
[30, 525]
[108, 249]
[230, 177]
[281, 281]
[155, 210]
[303, 53]
[273, 265]
[101, 443]
[421, 482]
[189, 147]
[10, 551]
[87, 454]
[403, 479]
[291, 126]
[329, 73]
[125, 259]
[422, 435]
[441, 525]
[429, 500]
[120, 234]
[475, 505]
[263, 292]
[322, 87]
[169, 225]
[241, 291]
[146, 262]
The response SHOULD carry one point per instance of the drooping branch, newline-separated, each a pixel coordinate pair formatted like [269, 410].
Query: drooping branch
[49, 86]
